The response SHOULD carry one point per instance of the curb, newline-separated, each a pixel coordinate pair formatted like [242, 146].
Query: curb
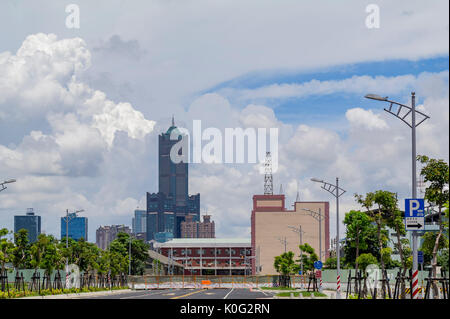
[76, 295]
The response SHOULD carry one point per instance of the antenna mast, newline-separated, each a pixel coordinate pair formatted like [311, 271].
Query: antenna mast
[268, 180]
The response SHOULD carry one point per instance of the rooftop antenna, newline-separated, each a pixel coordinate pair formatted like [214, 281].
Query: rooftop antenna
[173, 120]
[297, 199]
[281, 189]
[268, 179]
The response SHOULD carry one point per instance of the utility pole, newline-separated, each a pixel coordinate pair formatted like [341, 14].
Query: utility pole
[337, 192]
[413, 125]
[283, 241]
[129, 257]
[67, 219]
[317, 216]
[300, 232]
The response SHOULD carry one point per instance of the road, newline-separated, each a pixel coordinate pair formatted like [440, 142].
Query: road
[227, 293]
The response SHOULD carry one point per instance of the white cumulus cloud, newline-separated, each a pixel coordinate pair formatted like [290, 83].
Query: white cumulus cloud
[365, 119]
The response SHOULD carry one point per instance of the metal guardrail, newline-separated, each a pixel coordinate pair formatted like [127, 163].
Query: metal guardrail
[210, 281]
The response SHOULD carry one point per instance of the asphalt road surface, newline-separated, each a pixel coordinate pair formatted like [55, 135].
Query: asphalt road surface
[189, 294]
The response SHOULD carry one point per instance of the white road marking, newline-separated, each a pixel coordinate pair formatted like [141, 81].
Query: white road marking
[228, 293]
[139, 296]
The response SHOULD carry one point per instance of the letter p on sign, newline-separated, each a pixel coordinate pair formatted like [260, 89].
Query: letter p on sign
[414, 207]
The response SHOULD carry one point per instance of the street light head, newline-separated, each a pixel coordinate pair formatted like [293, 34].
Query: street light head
[316, 180]
[12, 180]
[376, 97]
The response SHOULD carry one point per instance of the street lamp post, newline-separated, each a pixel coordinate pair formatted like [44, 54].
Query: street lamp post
[413, 125]
[283, 241]
[8, 181]
[67, 219]
[337, 192]
[299, 231]
[129, 257]
[317, 216]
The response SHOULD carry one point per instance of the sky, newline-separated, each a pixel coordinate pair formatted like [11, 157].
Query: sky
[81, 108]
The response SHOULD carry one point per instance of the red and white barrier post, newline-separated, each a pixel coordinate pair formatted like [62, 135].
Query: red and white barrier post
[415, 285]
[338, 289]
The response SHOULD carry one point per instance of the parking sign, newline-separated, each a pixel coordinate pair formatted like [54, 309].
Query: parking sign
[414, 214]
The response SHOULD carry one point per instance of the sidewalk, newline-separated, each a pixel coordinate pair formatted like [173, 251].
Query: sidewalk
[330, 294]
[82, 294]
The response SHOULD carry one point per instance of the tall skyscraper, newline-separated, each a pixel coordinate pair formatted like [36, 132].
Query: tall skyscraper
[169, 207]
[173, 177]
[78, 227]
[30, 222]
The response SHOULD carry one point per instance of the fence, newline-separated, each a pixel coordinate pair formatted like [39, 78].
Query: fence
[211, 281]
[29, 279]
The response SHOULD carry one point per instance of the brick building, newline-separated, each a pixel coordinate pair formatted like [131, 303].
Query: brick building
[209, 256]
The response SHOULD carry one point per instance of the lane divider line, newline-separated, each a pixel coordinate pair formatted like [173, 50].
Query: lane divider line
[226, 296]
[189, 294]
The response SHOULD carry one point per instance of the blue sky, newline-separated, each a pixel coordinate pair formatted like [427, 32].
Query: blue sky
[82, 131]
[330, 107]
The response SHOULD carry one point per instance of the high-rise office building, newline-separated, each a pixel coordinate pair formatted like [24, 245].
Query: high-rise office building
[106, 234]
[206, 228]
[77, 227]
[193, 228]
[167, 209]
[139, 224]
[173, 177]
[30, 222]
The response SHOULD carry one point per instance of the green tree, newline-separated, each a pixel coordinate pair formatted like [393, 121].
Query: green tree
[372, 246]
[139, 251]
[374, 204]
[37, 250]
[103, 262]
[285, 264]
[436, 173]
[392, 215]
[358, 228]
[386, 254]
[51, 257]
[331, 263]
[377, 205]
[21, 252]
[428, 244]
[443, 259]
[308, 257]
[365, 260]
[6, 248]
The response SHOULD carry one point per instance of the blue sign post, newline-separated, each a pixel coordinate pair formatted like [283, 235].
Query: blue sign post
[420, 257]
[318, 264]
